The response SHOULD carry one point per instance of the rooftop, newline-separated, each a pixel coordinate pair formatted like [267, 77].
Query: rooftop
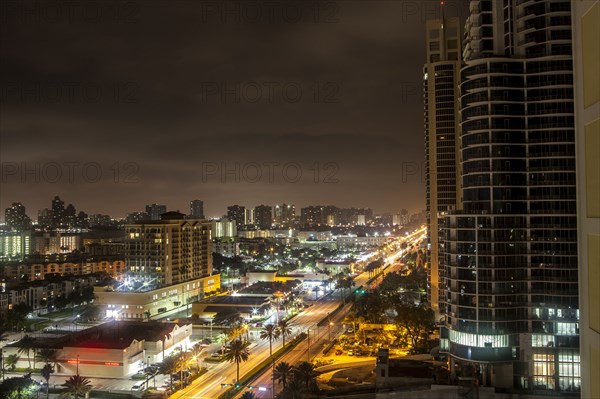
[111, 335]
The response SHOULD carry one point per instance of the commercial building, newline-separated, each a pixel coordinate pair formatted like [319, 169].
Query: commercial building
[353, 241]
[586, 62]
[222, 307]
[111, 350]
[441, 76]
[509, 259]
[169, 251]
[128, 304]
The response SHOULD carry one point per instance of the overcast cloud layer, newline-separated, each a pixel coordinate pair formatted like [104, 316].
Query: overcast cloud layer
[113, 105]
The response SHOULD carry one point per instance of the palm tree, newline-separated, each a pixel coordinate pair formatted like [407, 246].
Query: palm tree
[284, 329]
[295, 389]
[340, 283]
[271, 333]
[181, 364]
[10, 361]
[306, 374]
[47, 355]
[76, 387]
[26, 345]
[196, 352]
[283, 373]
[248, 395]
[236, 331]
[168, 367]
[164, 339]
[238, 352]
[46, 371]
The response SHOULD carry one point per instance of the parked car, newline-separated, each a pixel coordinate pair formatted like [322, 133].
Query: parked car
[351, 352]
[338, 352]
[138, 386]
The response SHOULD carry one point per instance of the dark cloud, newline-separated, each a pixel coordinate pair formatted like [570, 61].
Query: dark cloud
[171, 87]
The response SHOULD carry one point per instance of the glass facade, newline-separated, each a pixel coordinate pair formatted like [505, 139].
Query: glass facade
[510, 257]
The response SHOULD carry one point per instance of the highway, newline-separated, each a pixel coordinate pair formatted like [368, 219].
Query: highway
[209, 385]
[263, 385]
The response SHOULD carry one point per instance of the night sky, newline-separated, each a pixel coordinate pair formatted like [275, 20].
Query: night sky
[114, 105]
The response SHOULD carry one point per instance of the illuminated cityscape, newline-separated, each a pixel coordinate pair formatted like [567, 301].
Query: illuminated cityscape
[328, 199]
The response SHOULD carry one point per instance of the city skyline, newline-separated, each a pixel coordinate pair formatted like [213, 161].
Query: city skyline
[160, 141]
[406, 192]
[34, 214]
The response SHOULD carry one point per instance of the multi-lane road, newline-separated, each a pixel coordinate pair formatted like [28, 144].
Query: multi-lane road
[209, 386]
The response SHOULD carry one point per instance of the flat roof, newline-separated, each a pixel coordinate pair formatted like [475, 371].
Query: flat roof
[111, 335]
[241, 300]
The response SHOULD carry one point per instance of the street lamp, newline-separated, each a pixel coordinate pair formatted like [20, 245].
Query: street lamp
[329, 328]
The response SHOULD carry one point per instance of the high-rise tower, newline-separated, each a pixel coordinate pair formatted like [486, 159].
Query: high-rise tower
[441, 75]
[510, 257]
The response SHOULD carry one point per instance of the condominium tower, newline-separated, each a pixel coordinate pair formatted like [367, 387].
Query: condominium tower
[509, 258]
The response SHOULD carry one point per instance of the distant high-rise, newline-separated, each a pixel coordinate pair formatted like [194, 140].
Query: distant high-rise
[223, 228]
[249, 216]
[155, 210]
[197, 209]
[263, 216]
[99, 220]
[284, 214]
[16, 217]
[58, 213]
[170, 250]
[311, 215]
[509, 259]
[441, 76]
[70, 216]
[137, 217]
[237, 213]
[586, 62]
[360, 220]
